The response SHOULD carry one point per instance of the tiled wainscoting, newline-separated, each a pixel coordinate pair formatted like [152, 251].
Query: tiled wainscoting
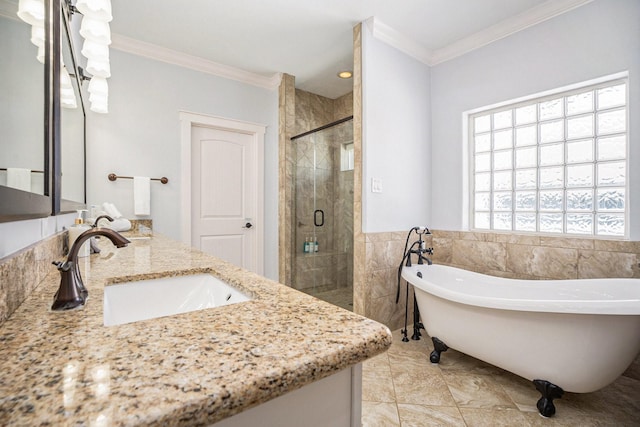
[497, 254]
[21, 272]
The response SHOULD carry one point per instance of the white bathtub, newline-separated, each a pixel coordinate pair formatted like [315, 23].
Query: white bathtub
[578, 335]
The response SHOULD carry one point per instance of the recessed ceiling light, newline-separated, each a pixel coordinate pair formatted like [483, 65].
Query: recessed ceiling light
[345, 74]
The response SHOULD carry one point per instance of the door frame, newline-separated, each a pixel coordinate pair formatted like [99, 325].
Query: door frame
[257, 131]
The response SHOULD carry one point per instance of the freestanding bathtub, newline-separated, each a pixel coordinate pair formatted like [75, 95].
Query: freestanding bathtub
[564, 335]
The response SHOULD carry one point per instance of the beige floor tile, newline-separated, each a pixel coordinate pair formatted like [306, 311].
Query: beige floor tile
[412, 361]
[423, 416]
[377, 414]
[521, 391]
[421, 388]
[477, 391]
[377, 386]
[464, 391]
[452, 360]
[379, 362]
[474, 417]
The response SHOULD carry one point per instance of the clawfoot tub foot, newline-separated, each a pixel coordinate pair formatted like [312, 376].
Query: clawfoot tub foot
[549, 392]
[439, 347]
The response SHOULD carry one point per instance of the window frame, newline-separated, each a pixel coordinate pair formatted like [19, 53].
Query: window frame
[535, 100]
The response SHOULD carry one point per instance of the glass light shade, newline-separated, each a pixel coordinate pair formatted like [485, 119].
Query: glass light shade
[93, 50]
[98, 86]
[68, 98]
[98, 68]
[96, 31]
[31, 11]
[65, 80]
[96, 9]
[40, 55]
[100, 106]
[37, 35]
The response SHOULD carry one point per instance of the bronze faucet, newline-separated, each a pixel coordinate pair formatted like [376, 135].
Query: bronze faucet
[72, 292]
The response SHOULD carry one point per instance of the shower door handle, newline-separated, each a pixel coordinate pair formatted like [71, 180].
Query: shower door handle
[315, 218]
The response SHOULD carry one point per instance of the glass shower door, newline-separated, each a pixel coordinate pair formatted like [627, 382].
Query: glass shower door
[324, 215]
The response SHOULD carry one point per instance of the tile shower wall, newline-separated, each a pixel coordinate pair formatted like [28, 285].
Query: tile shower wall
[504, 255]
[331, 267]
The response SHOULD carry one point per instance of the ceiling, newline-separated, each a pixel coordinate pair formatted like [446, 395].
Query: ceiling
[313, 39]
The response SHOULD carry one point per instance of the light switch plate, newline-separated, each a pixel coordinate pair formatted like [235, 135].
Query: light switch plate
[376, 185]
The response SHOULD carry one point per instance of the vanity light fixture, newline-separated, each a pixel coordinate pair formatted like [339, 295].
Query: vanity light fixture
[31, 11]
[99, 10]
[97, 38]
[345, 74]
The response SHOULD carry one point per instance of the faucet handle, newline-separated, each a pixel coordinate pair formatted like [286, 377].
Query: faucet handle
[62, 266]
[95, 222]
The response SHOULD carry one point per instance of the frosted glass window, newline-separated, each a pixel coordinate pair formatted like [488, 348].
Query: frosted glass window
[552, 177]
[613, 173]
[552, 131]
[612, 122]
[611, 148]
[527, 135]
[482, 123]
[502, 139]
[551, 154]
[526, 200]
[502, 120]
[580, 127]
[525, 222]
[554, 164]
[502, 221]
[580, 200]
[526, 157]
[483, 142]
[526, 114]
[580, 151]
[347, 159]
[551, 109]
[502, 180]
[580, 103]
[612, 96]
[526, 179]
[502, 159]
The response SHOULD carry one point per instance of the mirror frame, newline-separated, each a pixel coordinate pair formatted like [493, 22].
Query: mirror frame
[61, 205]
[20, 205]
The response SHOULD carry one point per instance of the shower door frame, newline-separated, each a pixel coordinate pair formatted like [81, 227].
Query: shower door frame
[294, 219]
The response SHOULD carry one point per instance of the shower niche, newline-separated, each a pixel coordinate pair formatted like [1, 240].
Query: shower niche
[323, 212]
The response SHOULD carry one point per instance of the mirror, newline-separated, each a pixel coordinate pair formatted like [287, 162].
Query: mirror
[72, 116]
[23, 157]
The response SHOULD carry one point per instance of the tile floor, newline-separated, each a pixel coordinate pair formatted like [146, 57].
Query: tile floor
[402, 388]
[342, 297]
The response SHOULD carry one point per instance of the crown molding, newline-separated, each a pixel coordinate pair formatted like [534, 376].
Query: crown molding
[398, 40]
[529, 18]
[158, 53]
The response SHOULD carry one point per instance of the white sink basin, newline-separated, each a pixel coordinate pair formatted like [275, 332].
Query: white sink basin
[148, 299]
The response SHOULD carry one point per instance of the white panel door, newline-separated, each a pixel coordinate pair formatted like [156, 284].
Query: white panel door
[224, 194]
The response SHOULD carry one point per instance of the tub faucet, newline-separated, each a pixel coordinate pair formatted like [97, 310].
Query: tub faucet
[72, 292]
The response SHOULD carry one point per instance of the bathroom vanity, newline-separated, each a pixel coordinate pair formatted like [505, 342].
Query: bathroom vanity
[281, 358]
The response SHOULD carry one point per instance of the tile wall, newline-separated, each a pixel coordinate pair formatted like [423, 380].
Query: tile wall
[22, 271]
[496, 254]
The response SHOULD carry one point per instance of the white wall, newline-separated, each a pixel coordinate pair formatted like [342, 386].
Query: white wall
[600, 38]
[141, 136]
[396, 137]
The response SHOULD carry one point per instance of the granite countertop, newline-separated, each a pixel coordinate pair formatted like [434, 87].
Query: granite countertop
[66, 368]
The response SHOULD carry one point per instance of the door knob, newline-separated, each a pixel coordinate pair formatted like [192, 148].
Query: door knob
[248, 225]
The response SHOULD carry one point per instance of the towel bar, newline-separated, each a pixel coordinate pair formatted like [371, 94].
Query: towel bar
[113, 177]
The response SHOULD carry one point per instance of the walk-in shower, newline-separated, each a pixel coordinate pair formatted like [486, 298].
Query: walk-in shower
[323, 212]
